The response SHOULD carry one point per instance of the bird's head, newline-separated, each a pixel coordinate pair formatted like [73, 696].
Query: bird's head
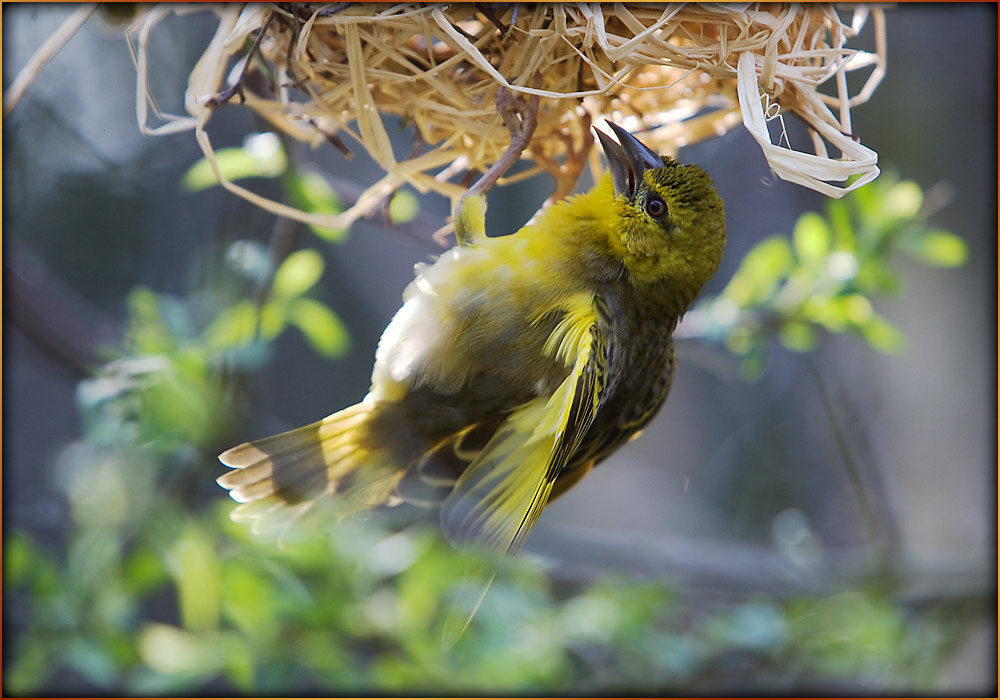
[668, 223]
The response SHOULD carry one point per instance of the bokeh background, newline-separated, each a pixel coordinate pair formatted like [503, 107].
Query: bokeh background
[823, 523]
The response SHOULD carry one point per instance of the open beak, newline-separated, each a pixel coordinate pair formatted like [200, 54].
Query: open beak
[627, 161]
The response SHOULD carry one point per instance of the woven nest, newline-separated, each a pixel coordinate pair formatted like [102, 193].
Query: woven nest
[675, 75]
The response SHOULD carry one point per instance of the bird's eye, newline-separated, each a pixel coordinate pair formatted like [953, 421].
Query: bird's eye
[656, 207]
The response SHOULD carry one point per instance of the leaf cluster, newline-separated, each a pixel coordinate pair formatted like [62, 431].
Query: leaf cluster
[826, 276]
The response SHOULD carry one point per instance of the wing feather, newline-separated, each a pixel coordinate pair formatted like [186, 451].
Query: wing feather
[498, 499]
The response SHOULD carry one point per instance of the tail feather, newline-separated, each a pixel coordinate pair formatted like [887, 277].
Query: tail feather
[253, 492]
[295, 468]
[270, 515]
[258, 509]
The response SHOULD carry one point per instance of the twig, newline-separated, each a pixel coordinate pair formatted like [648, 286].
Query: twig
[294, 27]
[417, 228]
[237, 87]
[45, 53]
[54, 317]
[513, 19]
[332, 139]
[335, 9]
[707, 565]
[416, 148]
[877, 519]
[489, 14]
[464, 33]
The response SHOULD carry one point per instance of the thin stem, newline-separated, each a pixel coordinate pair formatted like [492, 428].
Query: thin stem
[877, 521]
[237, 87]
[45, 53]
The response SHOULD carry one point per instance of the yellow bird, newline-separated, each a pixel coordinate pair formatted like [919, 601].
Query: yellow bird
[516, 363]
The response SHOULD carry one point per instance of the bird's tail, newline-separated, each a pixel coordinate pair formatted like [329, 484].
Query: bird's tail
[284, 474]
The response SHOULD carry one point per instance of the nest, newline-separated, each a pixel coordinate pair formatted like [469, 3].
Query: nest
[675, 75]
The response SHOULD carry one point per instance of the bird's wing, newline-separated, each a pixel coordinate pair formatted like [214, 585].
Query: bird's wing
[498, 498]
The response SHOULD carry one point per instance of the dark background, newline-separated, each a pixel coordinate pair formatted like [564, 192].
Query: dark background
[92, 207]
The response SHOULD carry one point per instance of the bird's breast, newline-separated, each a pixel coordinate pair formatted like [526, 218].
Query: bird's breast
[641, 364]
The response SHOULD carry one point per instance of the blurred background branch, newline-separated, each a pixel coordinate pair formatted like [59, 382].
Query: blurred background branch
[804, 569]
[61, 324]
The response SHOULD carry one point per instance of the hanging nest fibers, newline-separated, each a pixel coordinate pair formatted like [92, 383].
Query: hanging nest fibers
[677, 74]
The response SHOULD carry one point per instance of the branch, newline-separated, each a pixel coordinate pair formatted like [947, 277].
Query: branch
[55, 318]
[709, 565]
[420, 227]
[237, 87]
[45, 53]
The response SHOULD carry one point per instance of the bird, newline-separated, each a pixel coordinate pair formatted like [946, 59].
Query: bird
[515, 364]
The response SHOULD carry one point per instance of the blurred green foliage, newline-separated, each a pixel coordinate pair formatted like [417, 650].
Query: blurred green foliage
[261, 155]
[191, 602]
[826, 276]
[155, 591]
[246, 322]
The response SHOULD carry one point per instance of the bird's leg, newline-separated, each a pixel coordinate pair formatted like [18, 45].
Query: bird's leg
[521, 118]
[470, 219]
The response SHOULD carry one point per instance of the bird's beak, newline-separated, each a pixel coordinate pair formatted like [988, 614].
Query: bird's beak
[627, 161]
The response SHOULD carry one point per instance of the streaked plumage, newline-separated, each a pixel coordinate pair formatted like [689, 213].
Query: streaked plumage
[516, 363]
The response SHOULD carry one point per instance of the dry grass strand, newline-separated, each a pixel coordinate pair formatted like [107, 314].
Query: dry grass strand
[677, 74]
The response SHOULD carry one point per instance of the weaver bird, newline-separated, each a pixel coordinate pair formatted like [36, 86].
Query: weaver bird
[516, 363]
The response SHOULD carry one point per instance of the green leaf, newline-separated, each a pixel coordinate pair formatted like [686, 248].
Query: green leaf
[847, 634]
[19, 556]
[234, 327]
[883, 336]
[148, 333]
[752, 366]
[902, 201]
[797, 336]
[170, 650]
[194, 566]
[31, 666]
[323, 330]
[403, 207]
[938, 248]
[840, 312]
[178, 405]
[875, 276]
[839, 217]
[298, 273]
[245, 590]
[856, 308]
[311, 192]
[239, 664]
[867, 200]
[828, 312]
[273, 318]
[741, 341]
[143, 571]
[261, 155]
[760, 272]
[811, 238]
